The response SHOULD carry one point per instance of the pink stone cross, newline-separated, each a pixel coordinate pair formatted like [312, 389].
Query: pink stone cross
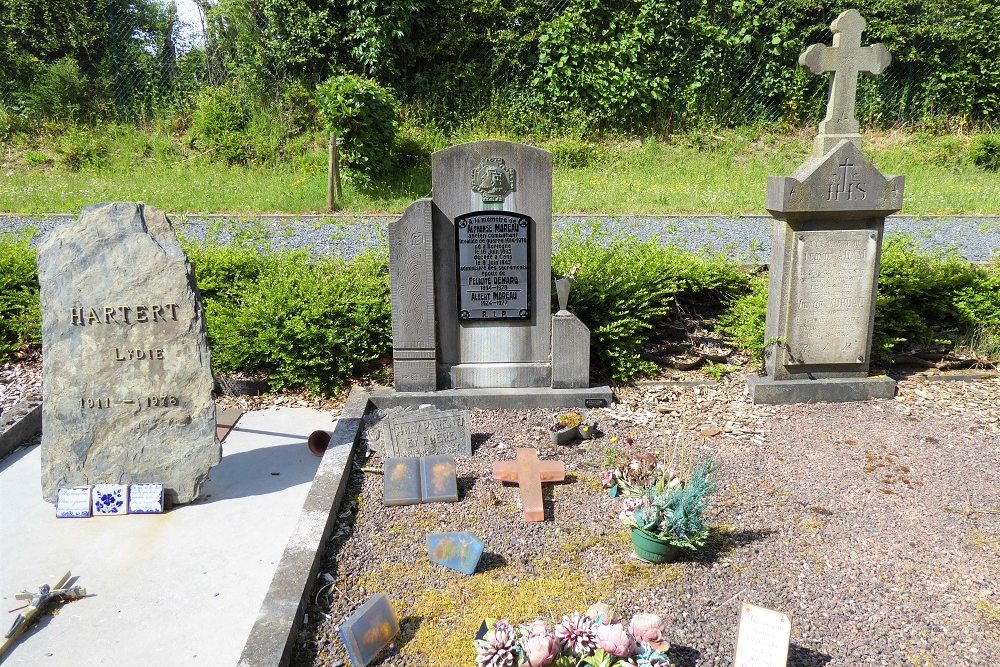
[528, 472]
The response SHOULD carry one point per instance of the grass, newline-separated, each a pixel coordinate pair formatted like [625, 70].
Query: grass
[698, 173]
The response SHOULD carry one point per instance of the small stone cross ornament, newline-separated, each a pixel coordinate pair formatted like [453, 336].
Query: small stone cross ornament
[846, 59]
[528, 472]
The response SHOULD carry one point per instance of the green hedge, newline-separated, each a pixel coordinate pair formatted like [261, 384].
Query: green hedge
[20, 315]
[314, 323]
[925, 299]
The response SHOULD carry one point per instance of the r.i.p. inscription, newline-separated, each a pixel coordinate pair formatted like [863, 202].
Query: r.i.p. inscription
[831, 296]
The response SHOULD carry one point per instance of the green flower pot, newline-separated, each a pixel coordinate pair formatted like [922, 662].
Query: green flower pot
[652, 548]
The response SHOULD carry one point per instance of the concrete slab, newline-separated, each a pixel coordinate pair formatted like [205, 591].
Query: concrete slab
[765, 390]
[493, 398]
[181, 588]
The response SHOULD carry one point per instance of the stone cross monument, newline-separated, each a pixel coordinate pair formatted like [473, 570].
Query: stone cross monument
[846, 59]
[826, 245]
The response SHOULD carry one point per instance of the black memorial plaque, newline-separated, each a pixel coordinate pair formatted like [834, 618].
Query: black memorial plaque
[494, 266]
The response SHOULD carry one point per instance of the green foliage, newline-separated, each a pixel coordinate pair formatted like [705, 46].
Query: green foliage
[985, 152]
[744, 318]
[675, 513]
[303, 323]
[934, 299]
[917, 293]
[363, 115]
[233, 124]
[20, 316]
[60, 92]
[625, 289]
[718, 371]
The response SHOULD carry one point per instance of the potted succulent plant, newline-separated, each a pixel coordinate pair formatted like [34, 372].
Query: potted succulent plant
[667, 518]
[587, 429]
[565, 427]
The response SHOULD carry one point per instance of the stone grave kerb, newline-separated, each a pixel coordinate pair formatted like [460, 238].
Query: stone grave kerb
[825, 251]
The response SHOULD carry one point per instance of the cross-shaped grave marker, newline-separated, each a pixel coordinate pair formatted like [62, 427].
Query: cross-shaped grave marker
[846, 59]
[528, 472]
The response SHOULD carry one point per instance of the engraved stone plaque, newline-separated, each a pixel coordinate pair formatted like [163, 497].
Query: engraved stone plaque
[494, 266]
[426, 432]
[831, 290]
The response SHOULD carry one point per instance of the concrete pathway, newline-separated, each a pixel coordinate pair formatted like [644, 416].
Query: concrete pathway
[181, 588]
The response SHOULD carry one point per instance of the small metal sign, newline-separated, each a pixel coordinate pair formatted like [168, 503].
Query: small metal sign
[494, 265]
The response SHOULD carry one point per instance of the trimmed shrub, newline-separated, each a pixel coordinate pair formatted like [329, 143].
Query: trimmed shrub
[20, 314]
[744, 318]
[626, 289]
[363, 115]
[304, 323]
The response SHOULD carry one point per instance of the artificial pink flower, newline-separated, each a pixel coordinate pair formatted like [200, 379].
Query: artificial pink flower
[648, 629]
[613, 639]
[600, 613]
[541, 650]
[537, 628]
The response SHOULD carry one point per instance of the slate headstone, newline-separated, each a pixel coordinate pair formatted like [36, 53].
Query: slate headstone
[127, 385]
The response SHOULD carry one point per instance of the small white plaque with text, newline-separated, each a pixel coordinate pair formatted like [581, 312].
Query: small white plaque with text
[145, 499]
[73, 502]
[762, 640]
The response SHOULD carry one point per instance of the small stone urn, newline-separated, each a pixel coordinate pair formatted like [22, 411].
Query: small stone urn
[563, 286]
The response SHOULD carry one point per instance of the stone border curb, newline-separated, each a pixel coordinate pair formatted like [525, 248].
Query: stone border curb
[280, 616]
[19, 424]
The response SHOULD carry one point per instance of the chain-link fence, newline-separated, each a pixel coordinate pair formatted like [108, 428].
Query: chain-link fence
[688, 60]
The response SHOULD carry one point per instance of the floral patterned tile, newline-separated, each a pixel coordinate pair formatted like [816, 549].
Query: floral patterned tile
[110, 499]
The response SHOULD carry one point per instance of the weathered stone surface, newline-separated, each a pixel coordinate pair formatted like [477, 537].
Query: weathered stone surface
[570, 352]
[826, 246]
[411, 273]
[841, 181]
[127, 392]
[846, 59]
[767, 391]
[831, 295]
[494, 176]
[426, 432]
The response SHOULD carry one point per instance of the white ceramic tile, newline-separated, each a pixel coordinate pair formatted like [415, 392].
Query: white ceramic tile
[145, 499]
[110, 499]
[73, 502]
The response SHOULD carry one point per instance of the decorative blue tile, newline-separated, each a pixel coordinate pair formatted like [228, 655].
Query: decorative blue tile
[145, 499]
[369, 630]
[458, 551]
[437, 479]
[73, 502]
[110, 499]
[401, 482]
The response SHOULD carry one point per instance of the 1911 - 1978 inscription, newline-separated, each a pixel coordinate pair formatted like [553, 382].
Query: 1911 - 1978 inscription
[831, 292]
[494, 251]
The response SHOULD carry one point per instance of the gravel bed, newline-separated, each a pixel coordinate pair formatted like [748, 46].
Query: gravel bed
[20, 379]
[875, 526]
[747, 237]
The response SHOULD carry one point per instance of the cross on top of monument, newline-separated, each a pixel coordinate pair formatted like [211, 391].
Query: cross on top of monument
[846, 59]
